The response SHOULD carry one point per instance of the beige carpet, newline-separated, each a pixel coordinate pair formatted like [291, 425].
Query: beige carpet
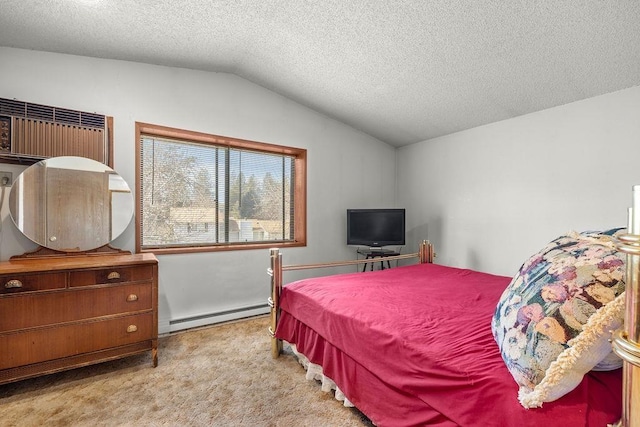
[220, 375]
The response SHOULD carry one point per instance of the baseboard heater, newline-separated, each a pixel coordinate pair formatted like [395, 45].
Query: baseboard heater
[217, 317]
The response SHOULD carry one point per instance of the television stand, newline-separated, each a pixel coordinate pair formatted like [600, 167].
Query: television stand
[373, 254]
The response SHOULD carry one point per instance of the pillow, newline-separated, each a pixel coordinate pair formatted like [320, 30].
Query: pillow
[554, 321]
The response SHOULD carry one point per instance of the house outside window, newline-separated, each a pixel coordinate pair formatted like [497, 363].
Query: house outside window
[201, 192]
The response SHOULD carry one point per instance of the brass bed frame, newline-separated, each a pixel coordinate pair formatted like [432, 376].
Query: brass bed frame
[425, 254]
[625, 342]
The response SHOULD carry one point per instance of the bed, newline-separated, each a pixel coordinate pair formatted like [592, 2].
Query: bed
[415, 345]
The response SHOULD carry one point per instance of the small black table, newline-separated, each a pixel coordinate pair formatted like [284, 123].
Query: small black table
[377, 253]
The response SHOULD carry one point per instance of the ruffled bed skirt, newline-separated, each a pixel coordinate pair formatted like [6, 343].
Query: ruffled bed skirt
[314, 373]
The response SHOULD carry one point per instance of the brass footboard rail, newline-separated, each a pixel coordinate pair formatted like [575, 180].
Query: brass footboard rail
[425, 254]
[626, 341]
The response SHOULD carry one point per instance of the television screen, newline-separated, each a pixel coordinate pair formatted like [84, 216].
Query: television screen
[375, 227]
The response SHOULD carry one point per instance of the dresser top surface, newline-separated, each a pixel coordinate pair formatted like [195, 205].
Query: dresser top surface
[54, 263]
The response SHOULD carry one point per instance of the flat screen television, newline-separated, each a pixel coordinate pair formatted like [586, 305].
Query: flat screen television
[375, 227]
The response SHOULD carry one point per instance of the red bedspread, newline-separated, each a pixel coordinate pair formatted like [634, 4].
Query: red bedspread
[412, 346]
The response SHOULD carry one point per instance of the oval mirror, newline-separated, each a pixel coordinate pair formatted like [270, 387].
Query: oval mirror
[70, 204]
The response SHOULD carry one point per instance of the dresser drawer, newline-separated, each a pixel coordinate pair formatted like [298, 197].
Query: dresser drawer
[110, 275]
[18, 283]
[64, 311]
[28, 311]
[44, 344]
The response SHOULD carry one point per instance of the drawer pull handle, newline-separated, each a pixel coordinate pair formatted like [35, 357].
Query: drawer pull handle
[113, 275]
[15, 283]
[132, 328]
[132, 298]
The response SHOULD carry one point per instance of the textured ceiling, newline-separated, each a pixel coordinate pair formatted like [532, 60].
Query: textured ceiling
[401, 71]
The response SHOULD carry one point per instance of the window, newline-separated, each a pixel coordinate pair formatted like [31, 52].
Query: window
[200, 192]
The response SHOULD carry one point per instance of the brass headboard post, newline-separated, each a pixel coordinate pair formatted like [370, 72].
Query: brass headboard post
[426, 252]
[275, 271]
[626, 341]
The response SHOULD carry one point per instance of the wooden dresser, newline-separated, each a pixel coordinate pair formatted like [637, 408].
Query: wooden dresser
[61, 312]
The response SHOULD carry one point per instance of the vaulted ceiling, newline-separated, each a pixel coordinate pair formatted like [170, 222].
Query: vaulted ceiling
[401, 71]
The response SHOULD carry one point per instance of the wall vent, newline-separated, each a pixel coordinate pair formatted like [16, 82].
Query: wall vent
[31, 132]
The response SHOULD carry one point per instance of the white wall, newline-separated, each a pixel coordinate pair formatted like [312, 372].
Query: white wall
[490, 197]
[345, 167]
